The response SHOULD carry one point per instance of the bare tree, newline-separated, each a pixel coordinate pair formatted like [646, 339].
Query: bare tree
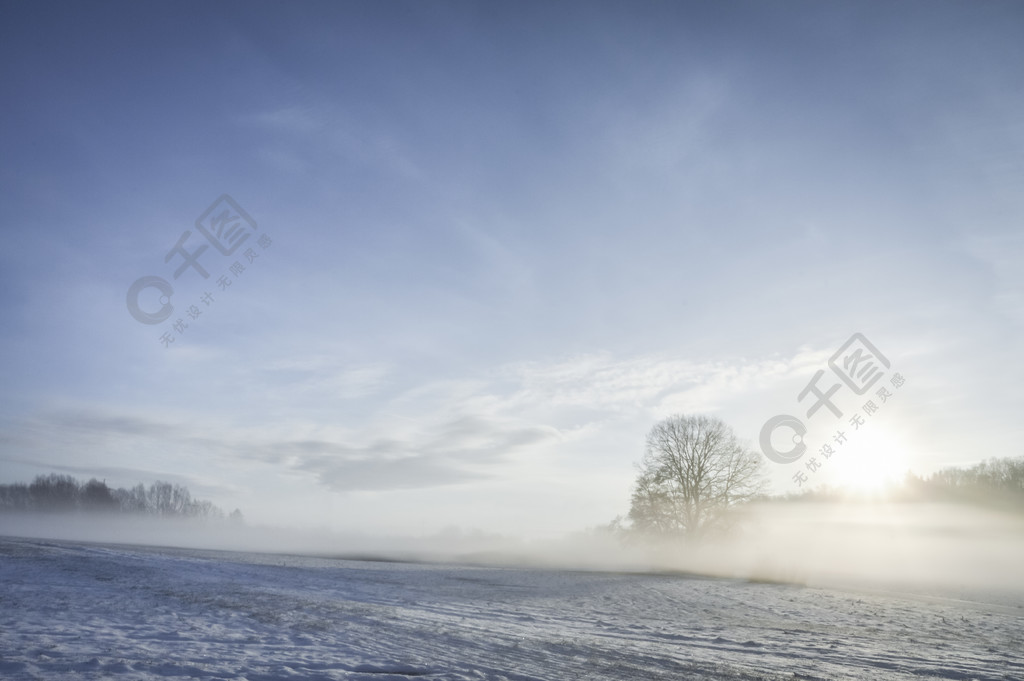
[96, 496]
[54, 492]
[693, 471]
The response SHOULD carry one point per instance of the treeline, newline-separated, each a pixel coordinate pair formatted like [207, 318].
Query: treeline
[64, 494]
[997, 483]
[994, 483]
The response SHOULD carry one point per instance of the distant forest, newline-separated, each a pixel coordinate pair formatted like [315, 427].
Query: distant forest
[995, 483]
[64, 494]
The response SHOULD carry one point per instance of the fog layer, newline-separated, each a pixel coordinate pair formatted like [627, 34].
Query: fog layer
[919, 546]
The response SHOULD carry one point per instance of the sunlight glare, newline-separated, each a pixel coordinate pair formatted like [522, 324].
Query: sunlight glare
[876, 460]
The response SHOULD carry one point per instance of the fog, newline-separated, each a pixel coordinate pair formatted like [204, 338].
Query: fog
[947, 549]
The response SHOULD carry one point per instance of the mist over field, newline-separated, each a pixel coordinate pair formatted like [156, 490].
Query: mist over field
[854, 544]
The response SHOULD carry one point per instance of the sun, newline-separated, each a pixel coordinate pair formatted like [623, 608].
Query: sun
[873, 461]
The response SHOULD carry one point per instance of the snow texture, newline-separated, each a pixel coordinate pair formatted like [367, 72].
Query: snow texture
[87, 611]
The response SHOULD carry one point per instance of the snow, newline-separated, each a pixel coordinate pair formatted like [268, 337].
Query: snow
[73, 610]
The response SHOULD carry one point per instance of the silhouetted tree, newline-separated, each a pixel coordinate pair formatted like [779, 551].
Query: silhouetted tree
[995, 482]
[15, 497]
[54, 492]
[96, 496]
[132, 500]
[693, 471]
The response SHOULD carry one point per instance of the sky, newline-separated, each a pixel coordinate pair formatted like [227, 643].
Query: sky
[489, 245]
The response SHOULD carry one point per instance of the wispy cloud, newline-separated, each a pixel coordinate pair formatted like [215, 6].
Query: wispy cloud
[440, 453]
[430, 435]
[294, 120]
[292, 136]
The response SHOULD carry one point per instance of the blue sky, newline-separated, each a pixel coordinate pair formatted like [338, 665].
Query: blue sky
[505, 239]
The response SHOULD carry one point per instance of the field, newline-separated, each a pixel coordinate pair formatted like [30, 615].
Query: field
[88, 611]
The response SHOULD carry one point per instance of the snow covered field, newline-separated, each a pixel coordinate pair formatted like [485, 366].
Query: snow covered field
[73, 611]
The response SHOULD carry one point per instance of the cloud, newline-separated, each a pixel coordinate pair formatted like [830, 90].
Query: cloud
[321, 376]
[462, 450]
[430, 435]
[295, 120]
[85, 422]
[304, 132]
[443, 453]
[374, 473]
[652, 382]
